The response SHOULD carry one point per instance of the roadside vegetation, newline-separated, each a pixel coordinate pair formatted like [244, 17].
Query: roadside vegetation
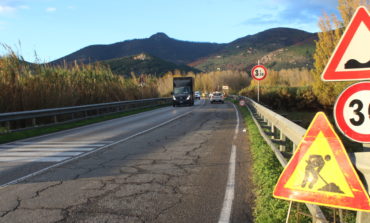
[332, 29]
[266, 170]
[287, 88]
[27, 86]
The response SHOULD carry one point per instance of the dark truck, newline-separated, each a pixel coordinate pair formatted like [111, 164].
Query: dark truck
[183, 91]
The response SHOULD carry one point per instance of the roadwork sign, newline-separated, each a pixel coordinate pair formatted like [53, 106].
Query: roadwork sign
[352, 112]
[351, 57]
[320, 171]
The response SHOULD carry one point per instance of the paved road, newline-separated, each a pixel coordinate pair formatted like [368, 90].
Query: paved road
[183, 164]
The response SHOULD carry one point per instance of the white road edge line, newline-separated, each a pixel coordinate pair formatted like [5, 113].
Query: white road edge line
[230, 186]
[88, 153]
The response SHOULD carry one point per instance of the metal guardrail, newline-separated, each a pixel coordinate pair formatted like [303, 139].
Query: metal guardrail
[283, 130]
[16, 121]
[288, 130]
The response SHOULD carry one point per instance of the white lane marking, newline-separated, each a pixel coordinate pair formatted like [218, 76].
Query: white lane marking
[36, 145]
[27, 152]
[90, 152]
[36, 159]
[237, 123]
[94, 143]
[230, 186]
[38, 154]
[47, 149]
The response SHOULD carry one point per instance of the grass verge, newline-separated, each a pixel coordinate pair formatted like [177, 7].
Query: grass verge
[13, 136]
[266, 171]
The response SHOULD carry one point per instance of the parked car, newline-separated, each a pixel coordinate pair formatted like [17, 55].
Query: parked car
[216, 97]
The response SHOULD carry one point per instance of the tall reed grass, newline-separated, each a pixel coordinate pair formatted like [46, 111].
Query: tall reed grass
[26, 86]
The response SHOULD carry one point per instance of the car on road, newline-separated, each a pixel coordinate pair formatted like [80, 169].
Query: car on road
[216, 97]
[197, 95]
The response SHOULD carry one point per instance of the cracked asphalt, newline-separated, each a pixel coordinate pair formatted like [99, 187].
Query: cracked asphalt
[175, 173]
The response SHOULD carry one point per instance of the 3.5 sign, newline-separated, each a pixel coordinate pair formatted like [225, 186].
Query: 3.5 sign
[259, 72]
[352, 112]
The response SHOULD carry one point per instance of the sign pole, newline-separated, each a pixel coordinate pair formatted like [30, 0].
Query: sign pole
[290, 207]
[258, 89]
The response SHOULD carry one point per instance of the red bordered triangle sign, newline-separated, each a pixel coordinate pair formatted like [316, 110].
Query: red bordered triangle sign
[351, 57]
[320, 171]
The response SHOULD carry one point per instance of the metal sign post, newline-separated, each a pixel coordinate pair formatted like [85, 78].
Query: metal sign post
[258, 92]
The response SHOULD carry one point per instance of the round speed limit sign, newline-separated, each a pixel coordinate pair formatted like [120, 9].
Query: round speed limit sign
[259, 72]
[352, 112]
[242, 103]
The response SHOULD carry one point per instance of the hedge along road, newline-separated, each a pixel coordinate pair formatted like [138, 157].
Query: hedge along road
[184, 164]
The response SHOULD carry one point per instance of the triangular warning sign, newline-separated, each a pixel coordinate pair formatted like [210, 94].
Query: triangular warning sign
[351, 57]
[320, 171]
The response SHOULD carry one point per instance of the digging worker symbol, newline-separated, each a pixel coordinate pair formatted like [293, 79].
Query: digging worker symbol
[312, 171]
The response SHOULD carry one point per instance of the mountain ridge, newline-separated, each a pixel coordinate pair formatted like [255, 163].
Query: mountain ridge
[159, 45]
[279, 47]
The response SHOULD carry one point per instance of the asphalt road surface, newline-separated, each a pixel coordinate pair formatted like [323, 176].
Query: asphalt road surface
[183, 164]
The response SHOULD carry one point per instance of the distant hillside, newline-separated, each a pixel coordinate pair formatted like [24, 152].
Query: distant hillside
[276, 48]
[159, 45]
[145, 64]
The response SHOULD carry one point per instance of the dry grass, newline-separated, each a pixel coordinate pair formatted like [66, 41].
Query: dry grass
[27, 86]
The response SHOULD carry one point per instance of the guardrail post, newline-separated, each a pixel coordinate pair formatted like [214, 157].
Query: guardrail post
[33, 122]
[360, 160]
[272, 131]
[7, 125]
[282, 147]
[55, 119]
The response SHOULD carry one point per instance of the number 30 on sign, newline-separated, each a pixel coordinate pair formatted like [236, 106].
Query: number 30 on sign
[352, 112]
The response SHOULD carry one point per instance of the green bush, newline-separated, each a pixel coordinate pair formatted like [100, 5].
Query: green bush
[282, 97]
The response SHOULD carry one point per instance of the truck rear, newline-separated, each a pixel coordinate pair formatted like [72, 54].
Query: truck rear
[183, 91]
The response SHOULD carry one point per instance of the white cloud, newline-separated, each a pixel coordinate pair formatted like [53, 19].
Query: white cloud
[292, 13]
[50, 9]
[6, 9]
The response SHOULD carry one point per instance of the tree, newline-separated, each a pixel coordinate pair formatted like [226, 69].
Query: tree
[331, 31]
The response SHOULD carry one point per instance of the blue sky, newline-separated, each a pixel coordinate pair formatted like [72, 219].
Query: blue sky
[55, 28]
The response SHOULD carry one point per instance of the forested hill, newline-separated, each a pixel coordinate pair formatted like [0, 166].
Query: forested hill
[145, 64]
[277, 48]
[158, 45]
